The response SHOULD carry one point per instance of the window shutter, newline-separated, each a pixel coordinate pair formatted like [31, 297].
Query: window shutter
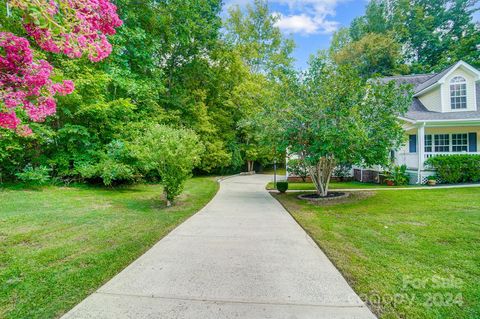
[472, 142]
[413, 143]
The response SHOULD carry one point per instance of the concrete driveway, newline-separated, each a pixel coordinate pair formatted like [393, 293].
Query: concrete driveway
[242, 256]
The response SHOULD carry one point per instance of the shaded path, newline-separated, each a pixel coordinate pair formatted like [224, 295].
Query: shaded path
[242, 256]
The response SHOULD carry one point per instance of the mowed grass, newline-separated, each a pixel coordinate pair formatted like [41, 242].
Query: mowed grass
[408, 254]
[59, 244]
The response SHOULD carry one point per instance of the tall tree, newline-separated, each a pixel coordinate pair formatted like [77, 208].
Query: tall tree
[432, 34]
[253, 34]
[373, 54]
[260, 43]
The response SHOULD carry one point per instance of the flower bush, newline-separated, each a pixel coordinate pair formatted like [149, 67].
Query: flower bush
[25, 84]
[71, 27]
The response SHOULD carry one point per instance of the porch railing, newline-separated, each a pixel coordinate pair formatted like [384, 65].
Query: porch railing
[429, 155]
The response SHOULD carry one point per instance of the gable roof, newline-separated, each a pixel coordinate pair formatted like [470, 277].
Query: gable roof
[440, 77]
[433, 80]
[418, 112]
[423, 82]
[414, 79]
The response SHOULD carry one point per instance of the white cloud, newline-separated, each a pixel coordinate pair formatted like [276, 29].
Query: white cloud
[309, 16]
[305, 24]
[305, 16]
[296, 24]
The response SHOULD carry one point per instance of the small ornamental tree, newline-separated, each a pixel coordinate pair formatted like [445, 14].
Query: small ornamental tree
[173, 153]
[336, 117]
[71, 27]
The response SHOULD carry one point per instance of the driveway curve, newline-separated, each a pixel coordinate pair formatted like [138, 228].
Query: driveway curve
[242, 256]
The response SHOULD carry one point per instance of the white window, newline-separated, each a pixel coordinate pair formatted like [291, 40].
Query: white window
[442, 143]
[458, 93]
[459, 142]
[428, 144]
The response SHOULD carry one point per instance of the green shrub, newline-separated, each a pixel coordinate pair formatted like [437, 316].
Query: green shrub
[113, 166]
[398, 175]
[109, 171]
[462, 168]
[298, 168]
[172, 152]
[282, 187]
[343, 172]
[35, 175]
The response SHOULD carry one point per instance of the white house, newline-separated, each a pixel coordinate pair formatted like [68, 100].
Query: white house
[444, 117]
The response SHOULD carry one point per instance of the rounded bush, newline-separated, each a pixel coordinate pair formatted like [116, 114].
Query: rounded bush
[282, 187]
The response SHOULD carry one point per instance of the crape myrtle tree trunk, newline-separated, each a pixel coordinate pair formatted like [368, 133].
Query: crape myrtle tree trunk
[321, 174]
[337, 117]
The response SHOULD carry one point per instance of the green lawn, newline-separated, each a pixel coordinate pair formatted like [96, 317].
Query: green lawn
[335, 185]
[417, 251]
[281, 172]
[58, 244]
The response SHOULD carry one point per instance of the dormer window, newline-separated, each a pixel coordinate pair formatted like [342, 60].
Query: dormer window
[458, 93]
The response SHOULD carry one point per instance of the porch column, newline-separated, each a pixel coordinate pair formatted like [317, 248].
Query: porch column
[421, 150]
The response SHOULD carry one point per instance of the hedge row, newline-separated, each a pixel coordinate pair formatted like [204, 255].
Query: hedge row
[456, 168]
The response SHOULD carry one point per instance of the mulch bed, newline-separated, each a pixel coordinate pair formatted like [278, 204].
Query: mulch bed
[330, 196]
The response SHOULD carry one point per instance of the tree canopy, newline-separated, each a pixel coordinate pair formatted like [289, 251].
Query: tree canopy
[420, 35]
[172, 63]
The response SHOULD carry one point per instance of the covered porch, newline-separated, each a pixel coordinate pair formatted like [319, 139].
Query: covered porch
[436, 138]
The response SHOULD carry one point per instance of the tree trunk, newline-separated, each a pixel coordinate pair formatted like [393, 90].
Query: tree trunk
[321, 174]
[250, 166]
[169, 202]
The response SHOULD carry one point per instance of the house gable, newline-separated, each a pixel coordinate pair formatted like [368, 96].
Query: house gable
[471, 80]
[432, 100]
[435, 94]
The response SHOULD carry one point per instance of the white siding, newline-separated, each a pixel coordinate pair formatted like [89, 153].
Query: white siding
[471, 96]
[433, 100]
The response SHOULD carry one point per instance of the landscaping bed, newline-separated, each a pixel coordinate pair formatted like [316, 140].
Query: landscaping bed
[408, 254]
[337, 185]
[60, 244]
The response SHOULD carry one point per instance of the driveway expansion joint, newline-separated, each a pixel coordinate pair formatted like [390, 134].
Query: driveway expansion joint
[274, 303]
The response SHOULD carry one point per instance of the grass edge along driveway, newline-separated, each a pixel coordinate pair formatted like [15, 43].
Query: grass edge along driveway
[409, 254]
[59, 244]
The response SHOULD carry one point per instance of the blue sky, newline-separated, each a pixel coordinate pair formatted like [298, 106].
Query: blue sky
[311, 23]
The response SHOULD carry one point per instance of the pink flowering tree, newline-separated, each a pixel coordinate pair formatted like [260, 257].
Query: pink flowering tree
[75, 28]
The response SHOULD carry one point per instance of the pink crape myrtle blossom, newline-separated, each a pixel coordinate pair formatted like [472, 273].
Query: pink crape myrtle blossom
[72, 27]
[85, 25]
[25, 84]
